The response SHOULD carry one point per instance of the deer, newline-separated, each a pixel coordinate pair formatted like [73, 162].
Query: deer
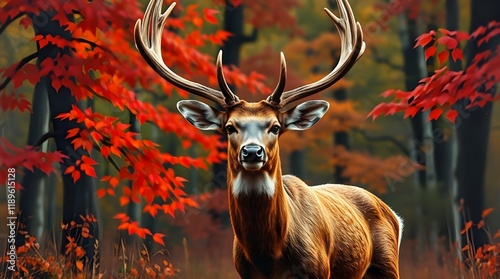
[282, 227]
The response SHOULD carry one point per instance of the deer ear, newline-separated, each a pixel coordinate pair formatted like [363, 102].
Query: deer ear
[305, 115]
[200, 115]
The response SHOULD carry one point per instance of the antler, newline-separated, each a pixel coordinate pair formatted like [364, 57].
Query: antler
[147, 35]
[352, 48]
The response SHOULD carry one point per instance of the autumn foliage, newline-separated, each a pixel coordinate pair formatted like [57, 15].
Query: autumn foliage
[439, 92]
[103, 64]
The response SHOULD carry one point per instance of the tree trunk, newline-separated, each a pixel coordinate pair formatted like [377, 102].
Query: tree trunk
[134, 209]
[79, 198]
[32, 203]
[340, 138]
[473, 131]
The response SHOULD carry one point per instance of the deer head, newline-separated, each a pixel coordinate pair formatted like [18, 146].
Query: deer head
[252, 128]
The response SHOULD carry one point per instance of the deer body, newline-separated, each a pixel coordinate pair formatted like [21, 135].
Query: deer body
[284, 228]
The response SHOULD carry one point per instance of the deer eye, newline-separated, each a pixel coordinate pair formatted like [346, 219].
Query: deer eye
[275, 129]
[230, 129]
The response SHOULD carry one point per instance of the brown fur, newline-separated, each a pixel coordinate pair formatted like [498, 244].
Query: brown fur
[326, 231]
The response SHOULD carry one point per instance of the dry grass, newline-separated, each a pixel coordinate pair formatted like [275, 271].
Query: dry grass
[210, 258]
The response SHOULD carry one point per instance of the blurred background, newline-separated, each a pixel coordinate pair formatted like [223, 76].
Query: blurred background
[80, 111]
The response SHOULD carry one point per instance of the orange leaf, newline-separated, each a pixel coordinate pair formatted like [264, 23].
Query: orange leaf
[72, 132]
[69, 169]
[468, 225]
[486, 212]
[465, 248]
[113, 182]
[480, 224]
[79, 265]
[88, 160]
[158, 238]
[497, 235]
[101, 193]
[124, 200]
[89, 170]
[123, 226]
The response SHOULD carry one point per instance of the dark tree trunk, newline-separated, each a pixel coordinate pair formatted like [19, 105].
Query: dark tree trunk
[79, 198]
[297, 163]
[413, 69]
[340, 138]
[32, 203]
[134, 210]
[473, 130]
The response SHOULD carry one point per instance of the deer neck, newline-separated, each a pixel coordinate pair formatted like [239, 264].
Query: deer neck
[259, 209]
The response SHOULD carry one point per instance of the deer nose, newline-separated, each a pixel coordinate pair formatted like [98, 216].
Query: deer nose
[252, 153]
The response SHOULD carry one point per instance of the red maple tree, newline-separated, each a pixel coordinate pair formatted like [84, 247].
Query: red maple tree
[96, 59]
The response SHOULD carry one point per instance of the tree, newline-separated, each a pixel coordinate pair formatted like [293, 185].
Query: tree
[464, 97]
[85, 50]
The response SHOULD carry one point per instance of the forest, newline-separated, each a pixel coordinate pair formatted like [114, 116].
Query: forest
[104, 178]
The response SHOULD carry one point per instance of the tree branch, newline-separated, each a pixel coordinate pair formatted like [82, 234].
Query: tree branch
[94, 45]
[385, 60]
[250, 38]
[20, 64]
[390, 139]
[9, 21]
[111, 160]
[45, 137]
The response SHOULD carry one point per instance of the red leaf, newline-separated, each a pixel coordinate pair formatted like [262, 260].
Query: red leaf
[423, 40]
[435, 113]
[448, 42]
[411, 111]
[88, 160]
[88, 169]
[452, 115]
[72, 132]
[430, 52]
[460, 36]
[457, 54]
[75, 175]
[443, 56]
[209, 15]
[25, 22]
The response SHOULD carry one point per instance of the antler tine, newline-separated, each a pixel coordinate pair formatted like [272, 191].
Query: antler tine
[230, 97]
[147, 36]
[352, 47]
[275, 97]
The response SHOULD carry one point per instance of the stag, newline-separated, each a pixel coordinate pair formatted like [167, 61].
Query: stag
[284, 228]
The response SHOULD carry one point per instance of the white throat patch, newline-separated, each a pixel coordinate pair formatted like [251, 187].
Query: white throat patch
[247, 183]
